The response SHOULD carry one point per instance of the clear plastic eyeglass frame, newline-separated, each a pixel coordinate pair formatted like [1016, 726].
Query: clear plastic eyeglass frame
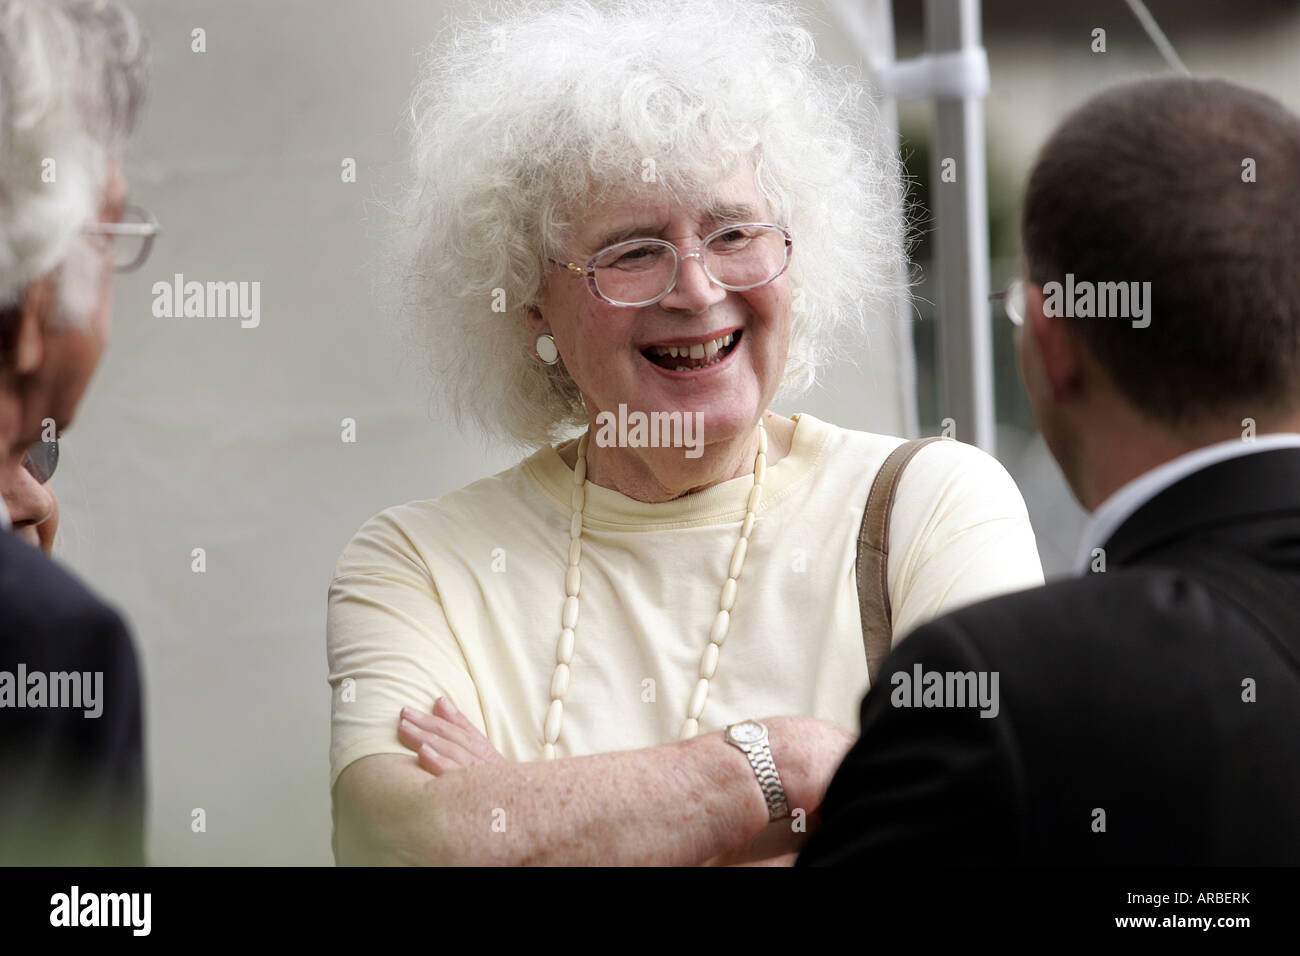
[588, 271]
[1012, 299]
[145, 229]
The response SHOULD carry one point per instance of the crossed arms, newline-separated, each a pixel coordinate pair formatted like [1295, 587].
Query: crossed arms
[458, 802]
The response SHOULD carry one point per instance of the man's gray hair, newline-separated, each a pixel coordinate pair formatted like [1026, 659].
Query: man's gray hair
[519, 113]
[71, 81]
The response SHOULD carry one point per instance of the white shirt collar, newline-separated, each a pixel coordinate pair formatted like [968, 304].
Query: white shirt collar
[5, 521]
[1121, 505]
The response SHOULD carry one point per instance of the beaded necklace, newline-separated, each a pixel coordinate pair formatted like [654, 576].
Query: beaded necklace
[573, 585]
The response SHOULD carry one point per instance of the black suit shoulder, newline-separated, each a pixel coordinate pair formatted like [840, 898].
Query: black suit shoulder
[71, 780]
[1114, 690]
[42, 598]
[923, 785]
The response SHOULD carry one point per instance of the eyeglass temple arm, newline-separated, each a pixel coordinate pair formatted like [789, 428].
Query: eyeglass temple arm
[124, 229]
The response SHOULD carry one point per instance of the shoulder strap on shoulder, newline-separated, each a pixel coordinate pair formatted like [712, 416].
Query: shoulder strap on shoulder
[873, 555]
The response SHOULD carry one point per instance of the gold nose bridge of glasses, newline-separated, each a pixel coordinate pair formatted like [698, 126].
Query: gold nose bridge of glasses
[681, 257]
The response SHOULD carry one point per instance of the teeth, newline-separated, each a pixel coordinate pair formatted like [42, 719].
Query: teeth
[697, 351]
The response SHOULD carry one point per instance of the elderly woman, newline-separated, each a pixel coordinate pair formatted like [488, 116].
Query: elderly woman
[642, 222]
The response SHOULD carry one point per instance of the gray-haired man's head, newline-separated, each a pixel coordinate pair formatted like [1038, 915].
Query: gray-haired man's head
[71, 81]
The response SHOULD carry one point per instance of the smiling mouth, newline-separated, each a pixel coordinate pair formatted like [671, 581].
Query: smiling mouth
[693, 357]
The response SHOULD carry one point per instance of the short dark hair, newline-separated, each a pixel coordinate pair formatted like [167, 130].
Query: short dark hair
[1148, 181]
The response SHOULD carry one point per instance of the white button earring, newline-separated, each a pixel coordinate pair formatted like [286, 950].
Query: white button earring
[546, 350]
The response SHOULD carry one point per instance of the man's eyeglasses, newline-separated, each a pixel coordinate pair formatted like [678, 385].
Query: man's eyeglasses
[132, 237]
[41, 460]
[640, 272]
[1012, 299]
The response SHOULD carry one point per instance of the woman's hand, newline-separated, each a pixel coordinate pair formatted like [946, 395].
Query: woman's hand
[444, 740]
[807, 752]
[777, 845]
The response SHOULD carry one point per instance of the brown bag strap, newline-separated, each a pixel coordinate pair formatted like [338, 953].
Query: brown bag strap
[873, 555]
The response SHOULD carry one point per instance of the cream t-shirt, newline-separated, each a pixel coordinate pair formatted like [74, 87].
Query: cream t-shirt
[462, 596]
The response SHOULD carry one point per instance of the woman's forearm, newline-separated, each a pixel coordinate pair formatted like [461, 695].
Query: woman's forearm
[675, 804]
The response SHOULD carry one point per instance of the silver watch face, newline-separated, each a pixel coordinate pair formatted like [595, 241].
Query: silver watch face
[747, 732]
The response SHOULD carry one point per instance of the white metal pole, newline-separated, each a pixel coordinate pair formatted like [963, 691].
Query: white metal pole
[958, 195]
[873, 29]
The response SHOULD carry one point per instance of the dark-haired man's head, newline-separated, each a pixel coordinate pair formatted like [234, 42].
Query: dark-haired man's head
[1161, 242]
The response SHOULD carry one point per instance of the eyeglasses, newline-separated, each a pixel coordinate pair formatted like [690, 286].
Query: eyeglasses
[1013, 301]
[132, 237]
[41, 460]
[640, 272]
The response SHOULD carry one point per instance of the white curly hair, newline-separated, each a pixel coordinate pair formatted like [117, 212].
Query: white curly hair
[71, 81]
[523, 117]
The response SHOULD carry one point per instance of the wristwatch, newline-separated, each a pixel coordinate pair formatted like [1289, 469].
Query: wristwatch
[751, 738]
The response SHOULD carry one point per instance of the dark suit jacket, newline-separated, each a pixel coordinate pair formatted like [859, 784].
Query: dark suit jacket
[1120, 692]
[71, 786]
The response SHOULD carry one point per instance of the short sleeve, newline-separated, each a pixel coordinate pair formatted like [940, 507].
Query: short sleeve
[388, 643]
[959, 533]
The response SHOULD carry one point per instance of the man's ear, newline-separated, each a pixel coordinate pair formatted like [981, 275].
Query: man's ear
[1059, 350]
[29, 337]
